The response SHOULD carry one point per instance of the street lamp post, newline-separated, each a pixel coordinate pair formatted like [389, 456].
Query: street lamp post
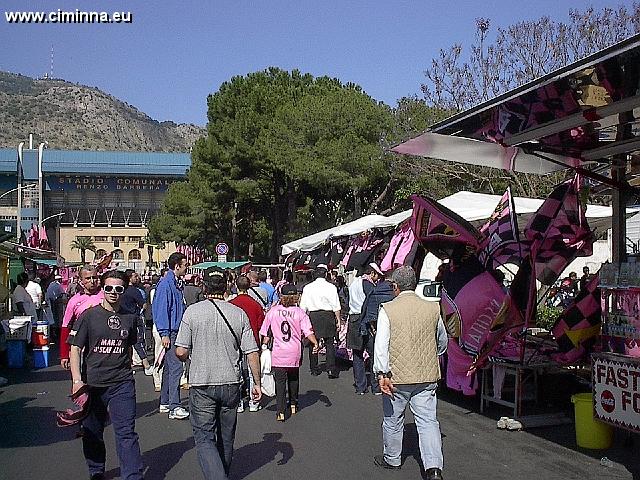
[31, 185]
[50, 217]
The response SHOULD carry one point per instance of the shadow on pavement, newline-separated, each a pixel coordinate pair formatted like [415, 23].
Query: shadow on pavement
[555, 392]
[252, 457]
[311, 397]
[22, 425]
[51, 374]
[160, 460]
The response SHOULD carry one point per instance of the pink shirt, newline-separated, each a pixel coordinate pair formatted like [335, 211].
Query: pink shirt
[78, 304]
[288, 324]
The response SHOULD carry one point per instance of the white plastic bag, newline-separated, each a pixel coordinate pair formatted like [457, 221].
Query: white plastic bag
[267, 382]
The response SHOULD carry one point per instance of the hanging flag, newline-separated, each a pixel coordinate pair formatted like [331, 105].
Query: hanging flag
[559, 231]
[501, 243]
[579, 324]
[471, 299]
[432, 222]
[44, 240]
[516, 312]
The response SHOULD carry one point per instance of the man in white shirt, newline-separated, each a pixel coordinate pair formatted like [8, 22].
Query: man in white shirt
[320, 299]
[22, 301]
[34, 289]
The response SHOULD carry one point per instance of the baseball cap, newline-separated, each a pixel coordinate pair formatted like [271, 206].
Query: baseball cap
[376, 268]
[289, 289]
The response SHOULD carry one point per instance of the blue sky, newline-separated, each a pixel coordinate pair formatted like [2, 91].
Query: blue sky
[177, 52]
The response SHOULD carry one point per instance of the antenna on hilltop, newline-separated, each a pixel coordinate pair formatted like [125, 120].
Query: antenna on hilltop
[51, 73]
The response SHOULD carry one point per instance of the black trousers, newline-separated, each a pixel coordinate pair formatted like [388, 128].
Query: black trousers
[330, 356]
[286, 377]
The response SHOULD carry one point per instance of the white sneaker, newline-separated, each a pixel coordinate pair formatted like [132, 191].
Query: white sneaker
[514, 425]
[164, 409]
[254, 408]
[240, 408]
[502, 423]
[178, 413]
[148, 371]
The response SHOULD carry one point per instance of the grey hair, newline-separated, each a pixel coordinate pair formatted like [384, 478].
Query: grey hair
[87, 268]
[404, 278]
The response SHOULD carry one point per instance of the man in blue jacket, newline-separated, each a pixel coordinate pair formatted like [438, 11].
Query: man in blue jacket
[168, 306]
[382, 292]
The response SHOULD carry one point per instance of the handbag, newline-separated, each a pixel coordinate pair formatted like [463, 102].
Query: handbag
[267, 381]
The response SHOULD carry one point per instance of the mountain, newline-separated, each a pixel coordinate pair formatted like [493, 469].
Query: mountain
[77, 117]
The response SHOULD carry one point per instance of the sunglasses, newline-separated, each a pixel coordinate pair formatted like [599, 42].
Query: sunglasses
[119, 289]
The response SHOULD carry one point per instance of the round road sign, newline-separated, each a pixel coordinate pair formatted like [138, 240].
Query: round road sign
[222, 248]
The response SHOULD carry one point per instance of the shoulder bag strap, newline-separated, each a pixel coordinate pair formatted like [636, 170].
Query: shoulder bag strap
[258, 295]
[235, 337]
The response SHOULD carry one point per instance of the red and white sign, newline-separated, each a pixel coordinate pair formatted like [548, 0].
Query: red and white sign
[616, 390]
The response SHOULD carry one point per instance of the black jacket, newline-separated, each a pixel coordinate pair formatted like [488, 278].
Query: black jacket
[382, 292]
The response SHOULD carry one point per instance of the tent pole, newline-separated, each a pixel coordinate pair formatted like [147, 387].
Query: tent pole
[619, 219]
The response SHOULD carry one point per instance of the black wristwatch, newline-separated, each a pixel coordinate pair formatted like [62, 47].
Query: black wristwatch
[384, 374]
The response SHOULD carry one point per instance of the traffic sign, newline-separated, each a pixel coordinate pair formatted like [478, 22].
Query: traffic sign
[222, 248]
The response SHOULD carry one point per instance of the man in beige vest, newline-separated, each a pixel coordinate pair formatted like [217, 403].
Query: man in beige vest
[409, 340]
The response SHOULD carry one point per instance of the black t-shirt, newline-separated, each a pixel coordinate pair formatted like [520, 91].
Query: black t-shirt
[131, 301]
[106, 337]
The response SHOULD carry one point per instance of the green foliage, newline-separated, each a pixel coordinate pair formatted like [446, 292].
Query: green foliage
[547, 317]
[286, 154]
[83, 244]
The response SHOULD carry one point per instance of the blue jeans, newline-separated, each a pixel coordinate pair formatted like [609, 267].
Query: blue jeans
[359, 373]
[213, 419]
[170, 393]
[422, 400]
[117, 402]
[362, 369]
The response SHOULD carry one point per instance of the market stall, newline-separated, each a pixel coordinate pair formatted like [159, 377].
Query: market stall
[580, 118]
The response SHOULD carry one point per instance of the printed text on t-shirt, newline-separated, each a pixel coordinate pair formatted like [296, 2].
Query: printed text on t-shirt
[109, 346]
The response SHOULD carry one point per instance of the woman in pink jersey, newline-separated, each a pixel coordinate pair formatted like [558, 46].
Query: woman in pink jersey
[288, 324]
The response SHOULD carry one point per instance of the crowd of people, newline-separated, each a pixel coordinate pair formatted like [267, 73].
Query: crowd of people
[214, 331]
[563, 293]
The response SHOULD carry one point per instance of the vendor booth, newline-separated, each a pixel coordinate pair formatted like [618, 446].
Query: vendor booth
[581, 119]
[18, 331]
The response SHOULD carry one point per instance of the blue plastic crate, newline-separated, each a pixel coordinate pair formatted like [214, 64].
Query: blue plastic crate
[15, 353]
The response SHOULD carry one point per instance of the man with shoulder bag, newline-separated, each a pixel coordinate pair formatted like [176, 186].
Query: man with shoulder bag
[217, 334]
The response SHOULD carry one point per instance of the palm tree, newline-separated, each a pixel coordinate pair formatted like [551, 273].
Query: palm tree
[83, 244]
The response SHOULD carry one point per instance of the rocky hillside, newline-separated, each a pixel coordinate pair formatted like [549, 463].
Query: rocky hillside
[77, 117]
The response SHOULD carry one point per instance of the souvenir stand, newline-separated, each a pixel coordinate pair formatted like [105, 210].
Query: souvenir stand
[19, 331]
[616, 369]
[582, 117]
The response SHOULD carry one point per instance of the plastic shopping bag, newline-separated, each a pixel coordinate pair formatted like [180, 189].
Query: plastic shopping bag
[268, 383]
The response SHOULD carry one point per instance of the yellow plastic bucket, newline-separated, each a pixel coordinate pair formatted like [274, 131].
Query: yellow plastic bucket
[590, 433]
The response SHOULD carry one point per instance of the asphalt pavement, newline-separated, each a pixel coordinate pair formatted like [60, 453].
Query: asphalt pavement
[335, 435]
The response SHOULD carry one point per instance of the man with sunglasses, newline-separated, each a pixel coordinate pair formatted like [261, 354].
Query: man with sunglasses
[88, 296]
[103, 335]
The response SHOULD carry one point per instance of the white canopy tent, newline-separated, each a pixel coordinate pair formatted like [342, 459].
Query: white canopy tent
[473, 207]
[477, 207]
[312, 242]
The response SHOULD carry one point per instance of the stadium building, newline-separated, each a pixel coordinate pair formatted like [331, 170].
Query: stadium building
[107, 196]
